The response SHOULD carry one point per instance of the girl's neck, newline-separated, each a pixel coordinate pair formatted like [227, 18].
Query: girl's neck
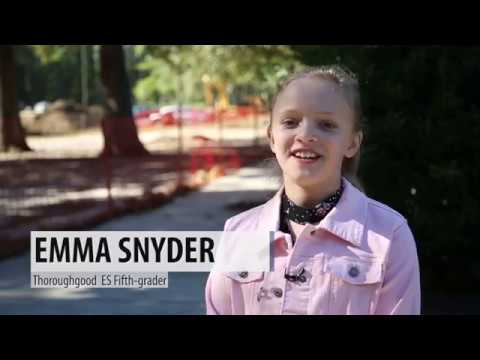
[308, 197]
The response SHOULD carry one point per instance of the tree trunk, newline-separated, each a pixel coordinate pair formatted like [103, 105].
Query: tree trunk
[119, 130]
[13, 135]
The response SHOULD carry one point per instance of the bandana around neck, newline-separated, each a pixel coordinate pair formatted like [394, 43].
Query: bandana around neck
[301, 215]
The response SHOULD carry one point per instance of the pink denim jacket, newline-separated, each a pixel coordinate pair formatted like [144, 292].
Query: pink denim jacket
[360, 259]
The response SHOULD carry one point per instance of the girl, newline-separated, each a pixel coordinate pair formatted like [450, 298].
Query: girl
[335, 251]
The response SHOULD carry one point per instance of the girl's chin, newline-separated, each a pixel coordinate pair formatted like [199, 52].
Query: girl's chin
[307, 173]
[306, 179]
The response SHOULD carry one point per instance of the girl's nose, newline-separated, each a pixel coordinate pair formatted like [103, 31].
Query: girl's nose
[306, 132]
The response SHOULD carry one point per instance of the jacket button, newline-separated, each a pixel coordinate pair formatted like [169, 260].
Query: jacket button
[262, 293]
[243, 274]
[277, 292]
[353, 272]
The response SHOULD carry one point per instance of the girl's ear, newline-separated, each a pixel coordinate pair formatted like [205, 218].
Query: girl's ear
[355, 144]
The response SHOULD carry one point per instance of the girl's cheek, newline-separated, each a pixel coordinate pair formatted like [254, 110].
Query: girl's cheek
[280, 138]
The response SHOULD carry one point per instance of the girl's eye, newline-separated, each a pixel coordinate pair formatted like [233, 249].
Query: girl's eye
[327, 124]
[289, 123]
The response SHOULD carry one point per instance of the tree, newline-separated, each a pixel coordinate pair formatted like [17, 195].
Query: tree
[13, 135]
[52, 72]
[257, 67]
[119, 129]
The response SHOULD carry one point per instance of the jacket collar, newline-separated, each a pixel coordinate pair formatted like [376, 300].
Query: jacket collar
[346, 220]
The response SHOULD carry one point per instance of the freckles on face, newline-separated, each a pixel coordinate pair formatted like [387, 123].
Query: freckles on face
[312, 128]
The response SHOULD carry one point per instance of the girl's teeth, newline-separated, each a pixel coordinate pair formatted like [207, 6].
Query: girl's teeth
[305, 156]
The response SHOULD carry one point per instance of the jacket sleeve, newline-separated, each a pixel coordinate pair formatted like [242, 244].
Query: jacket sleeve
[400, 292]
[218, 292]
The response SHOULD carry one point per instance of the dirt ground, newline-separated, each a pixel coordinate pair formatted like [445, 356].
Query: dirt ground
[64, 184]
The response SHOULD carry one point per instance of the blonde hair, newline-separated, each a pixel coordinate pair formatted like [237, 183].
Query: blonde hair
[349, 86]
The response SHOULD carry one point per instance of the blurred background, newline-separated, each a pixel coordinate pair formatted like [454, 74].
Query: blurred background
[103, 136]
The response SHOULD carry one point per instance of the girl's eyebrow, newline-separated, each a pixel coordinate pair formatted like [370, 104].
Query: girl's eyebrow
[323, 113]
[295, 112]
[289, 112]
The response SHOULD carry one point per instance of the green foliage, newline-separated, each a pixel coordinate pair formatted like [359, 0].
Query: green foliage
[51, 72]
[52, 53]
[161, 84]
[177, 70]
[157, 73]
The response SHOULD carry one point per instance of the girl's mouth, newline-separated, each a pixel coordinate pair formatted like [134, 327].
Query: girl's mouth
[305, 155]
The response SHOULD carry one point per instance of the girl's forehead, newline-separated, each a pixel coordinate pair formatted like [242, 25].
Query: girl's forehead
[311, 95]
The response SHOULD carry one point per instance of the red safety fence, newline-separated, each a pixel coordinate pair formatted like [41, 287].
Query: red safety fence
[77, 193]
[194, 115]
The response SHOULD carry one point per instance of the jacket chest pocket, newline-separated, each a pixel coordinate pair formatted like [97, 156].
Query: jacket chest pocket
[353, 284]
[245, 289]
